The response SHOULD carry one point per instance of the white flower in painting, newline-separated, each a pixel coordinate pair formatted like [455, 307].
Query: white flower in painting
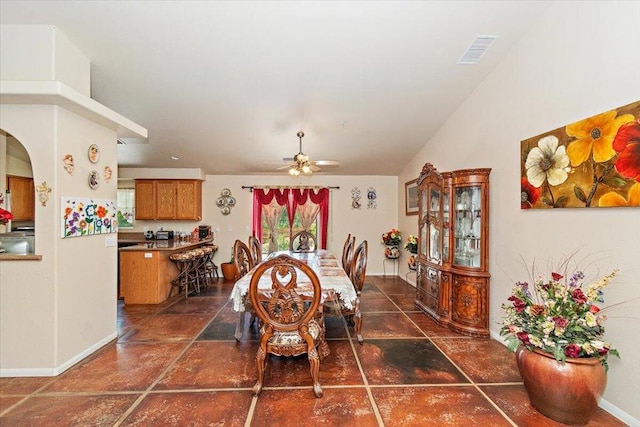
[547, 162]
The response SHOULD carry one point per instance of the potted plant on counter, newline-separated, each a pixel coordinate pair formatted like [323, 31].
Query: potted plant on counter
[557, 331]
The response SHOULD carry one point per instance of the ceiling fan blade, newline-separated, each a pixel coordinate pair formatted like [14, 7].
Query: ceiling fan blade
[326, 162]
[283, 167]
[314, 168]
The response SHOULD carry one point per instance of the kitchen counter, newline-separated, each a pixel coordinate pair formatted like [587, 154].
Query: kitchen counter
[146, 270]
[162, 245]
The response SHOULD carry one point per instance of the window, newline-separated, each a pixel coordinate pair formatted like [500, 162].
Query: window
[126, 207]
[284, 232]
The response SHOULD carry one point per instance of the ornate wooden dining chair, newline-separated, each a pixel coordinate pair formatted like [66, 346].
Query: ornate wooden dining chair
[358, 273]
[292, 323]
[243, 261]
[303, 241]
[242, 258]
[256, 250]
[347, 253]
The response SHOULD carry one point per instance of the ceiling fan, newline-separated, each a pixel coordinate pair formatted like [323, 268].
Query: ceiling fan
[301, 164]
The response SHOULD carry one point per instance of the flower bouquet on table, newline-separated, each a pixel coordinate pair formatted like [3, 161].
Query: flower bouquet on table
[558, 316]
[411, 244]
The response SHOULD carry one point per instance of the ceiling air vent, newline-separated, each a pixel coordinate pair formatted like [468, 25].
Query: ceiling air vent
[477, 48]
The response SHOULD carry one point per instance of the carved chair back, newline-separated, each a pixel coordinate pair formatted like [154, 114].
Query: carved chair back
[242, 258]
[303, 241]
[291, 321]
[347, 253]
[256, 250]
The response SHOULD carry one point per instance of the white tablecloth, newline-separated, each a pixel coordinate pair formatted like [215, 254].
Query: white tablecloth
[333, 279]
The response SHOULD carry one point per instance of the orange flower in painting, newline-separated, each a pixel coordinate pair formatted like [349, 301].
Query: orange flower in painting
[612, 199]
[627, 144]
[595, 134]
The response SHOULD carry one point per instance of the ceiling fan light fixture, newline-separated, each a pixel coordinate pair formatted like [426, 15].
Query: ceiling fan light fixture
[306, 169]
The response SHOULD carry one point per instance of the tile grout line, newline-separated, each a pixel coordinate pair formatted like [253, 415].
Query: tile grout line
[472, 383]
[146, 392]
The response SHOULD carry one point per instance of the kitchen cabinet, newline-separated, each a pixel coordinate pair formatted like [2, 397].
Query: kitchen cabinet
[452, 283]
[166, 199]
[22, 197]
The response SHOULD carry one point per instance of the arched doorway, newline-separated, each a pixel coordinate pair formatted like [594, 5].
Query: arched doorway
[17, 191]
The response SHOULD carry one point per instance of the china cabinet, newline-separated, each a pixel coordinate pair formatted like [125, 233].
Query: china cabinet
[453, 250]
[168, 199]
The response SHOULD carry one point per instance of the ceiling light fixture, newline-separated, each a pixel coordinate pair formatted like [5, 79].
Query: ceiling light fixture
[174, 157]
[301, 163]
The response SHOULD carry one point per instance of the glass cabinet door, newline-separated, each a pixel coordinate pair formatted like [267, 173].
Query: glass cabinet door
[445, 226]
[467, 227]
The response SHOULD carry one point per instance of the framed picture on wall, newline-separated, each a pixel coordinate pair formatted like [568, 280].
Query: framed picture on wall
[411, 197]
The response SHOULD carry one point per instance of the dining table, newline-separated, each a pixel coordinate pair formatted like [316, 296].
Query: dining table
[334, 282]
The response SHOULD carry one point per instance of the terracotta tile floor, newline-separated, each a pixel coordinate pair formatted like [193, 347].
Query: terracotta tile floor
[178, 364]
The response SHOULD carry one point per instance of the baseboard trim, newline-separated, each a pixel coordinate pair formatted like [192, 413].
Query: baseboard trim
[52, 372]
[604, 404]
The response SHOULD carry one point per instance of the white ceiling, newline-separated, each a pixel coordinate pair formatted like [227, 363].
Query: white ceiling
[227, 85]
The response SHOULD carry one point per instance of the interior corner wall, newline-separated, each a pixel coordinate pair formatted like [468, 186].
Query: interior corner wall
[559, 73]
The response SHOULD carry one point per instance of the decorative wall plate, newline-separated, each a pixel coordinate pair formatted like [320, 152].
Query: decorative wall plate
[94, 153]
[225, 192]
[67, 160]
[107, 173]
[94, 180]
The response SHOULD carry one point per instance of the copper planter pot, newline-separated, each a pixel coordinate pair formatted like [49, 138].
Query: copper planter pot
[569, 392]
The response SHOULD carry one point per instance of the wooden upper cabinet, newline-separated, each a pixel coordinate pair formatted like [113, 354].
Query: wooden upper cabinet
[169, 199]
[22, 197]
[189, 199]
[165, 199]
[145, 199]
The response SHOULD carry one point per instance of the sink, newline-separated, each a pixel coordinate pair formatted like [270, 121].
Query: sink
[17, 244]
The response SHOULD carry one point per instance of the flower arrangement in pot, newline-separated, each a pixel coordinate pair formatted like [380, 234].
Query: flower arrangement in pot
[556, 328]
[392, 239]
[412, 246]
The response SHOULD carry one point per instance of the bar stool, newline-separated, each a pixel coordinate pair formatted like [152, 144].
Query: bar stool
[198, 269]
[211, 269]
[184, 263]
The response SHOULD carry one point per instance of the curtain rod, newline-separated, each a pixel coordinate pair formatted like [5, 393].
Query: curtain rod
[251, 187]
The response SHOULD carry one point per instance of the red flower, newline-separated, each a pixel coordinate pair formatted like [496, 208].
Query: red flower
[578, 296]
[518, 303]
[524, 337]
[529, 194]
[572, 350]
[560, 322]
[556, 276]
[5, 215]
[594, 309]
[627, 145]
[603, 351]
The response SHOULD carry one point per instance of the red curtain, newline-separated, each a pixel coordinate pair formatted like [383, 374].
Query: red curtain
[292, 198]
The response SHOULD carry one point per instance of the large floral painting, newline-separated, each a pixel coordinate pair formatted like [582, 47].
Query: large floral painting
[591, 163]
[86, 217]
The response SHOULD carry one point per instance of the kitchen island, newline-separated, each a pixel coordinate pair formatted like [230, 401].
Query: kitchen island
[146, 270]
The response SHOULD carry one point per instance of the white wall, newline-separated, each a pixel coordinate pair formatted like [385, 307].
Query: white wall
[558, 74]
